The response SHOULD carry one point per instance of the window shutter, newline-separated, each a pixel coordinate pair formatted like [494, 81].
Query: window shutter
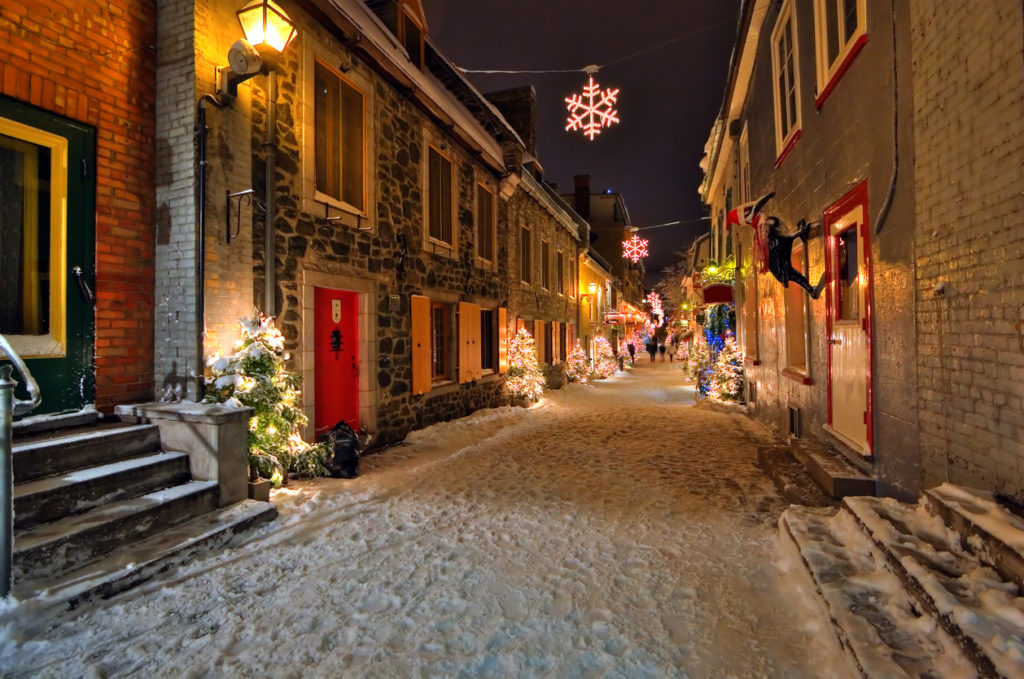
[469, 342]
[556, 356]
[538, 339]
[421, 367]
[502, 340]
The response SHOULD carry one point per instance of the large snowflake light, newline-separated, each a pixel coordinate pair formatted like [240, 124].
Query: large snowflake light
[634, 248]
[654, 299]
[593, 110]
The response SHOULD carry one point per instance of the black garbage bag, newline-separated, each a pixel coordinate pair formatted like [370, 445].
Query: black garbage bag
[343, 460]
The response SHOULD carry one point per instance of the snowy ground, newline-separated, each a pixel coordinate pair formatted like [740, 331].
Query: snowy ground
[612, 530]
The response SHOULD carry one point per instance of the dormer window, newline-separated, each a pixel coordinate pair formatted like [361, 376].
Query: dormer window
[411, 36]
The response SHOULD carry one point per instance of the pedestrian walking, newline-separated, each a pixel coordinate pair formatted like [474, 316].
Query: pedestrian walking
[652, 348]
[631, 348]
[661, 350]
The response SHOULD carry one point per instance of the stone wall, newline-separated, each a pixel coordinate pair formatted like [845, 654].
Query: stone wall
[968, 118]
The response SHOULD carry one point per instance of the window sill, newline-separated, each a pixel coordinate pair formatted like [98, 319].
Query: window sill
[797, 376]
[788, 147]
[854, 50]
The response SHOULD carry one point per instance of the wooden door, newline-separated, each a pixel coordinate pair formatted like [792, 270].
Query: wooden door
[336, 358]
[848, 305]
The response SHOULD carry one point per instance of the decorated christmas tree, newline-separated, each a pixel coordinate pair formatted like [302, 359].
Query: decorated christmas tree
[576, 367]
[604, 360]
[726, 378]
[523, 379]
[699, 363]
[255, 376]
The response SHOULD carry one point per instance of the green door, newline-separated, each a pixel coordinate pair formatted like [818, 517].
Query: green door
[47, 251]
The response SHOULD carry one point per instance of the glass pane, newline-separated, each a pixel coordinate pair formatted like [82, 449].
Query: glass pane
[437, 343]
[850, 14]
[327, 106]
[485, 226]
[831, 30]
[796, 318]
[446, 200]
[413, 40]
[488, 345]
[352, 145]
[25, 170]
[434, 170]
[849, 276]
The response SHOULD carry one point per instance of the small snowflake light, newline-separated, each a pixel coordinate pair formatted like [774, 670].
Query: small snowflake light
[634, 248]
[593, 109]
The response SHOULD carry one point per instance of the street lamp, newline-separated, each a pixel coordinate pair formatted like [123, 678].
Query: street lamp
[268, 31]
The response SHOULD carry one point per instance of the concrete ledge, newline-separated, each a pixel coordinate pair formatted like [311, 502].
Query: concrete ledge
[835, 475]
[213, 435]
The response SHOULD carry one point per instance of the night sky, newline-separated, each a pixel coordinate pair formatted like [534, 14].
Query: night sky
[669, 96]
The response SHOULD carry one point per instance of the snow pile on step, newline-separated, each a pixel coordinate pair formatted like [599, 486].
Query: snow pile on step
[610, 530]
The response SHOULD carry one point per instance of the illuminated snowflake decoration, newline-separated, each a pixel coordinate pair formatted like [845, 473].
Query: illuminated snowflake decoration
[654, 299]
[593, 110]
[634, 248]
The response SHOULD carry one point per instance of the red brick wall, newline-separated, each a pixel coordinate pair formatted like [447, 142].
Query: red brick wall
[95, 62]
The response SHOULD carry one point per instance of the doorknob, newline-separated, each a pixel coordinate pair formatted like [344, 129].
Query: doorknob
[833, 340]
[83, 287]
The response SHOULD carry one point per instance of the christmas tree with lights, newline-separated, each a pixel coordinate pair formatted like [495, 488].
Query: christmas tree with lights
[577, 369]
[523, 379]
[604, 360]
[699, 363]
[726, 379]
[255, 376]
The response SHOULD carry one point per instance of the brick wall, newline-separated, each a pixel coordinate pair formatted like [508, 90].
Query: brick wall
[969, 132]
[93, 62]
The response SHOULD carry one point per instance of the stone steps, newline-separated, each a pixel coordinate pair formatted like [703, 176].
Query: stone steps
[57, 452]
[907, 593]
[831, 471]
[55, 497]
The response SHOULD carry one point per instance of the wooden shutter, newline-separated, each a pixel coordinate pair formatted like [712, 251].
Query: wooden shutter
[469, 342]
[570, 337]
[556, 354]
[538, 339]
[502, 340]
[421, 367]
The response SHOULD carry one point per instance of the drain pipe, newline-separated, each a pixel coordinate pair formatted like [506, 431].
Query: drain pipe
[200, 260]
[270, 153]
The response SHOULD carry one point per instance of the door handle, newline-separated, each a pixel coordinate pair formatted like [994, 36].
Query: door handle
[83, 287]
[833, 340]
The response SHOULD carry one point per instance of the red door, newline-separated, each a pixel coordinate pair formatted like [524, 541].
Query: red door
[336, 358]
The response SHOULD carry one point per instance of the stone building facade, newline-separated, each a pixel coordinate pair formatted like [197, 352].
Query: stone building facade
[77, 103]
[400, 194]
[905, 363]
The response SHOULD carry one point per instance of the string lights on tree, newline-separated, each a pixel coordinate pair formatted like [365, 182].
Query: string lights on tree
[634, 248]
[523, 379]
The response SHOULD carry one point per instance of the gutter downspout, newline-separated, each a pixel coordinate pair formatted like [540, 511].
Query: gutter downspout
[269, 241]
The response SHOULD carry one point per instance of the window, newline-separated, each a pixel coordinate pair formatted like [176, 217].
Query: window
[796, 314]
[549, 355]
[560, 272]
[745, 166]
[488, 340]
[525, 259]
[438, 341]
[339, 138]
[840, 27]
[439, 197]
[562, 340]
[786, 71]
[545, 266]
[411, 36]
[848, 290]
[485, 223]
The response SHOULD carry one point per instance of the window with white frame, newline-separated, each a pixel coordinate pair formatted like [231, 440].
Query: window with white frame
[838, 26]
[786, 72]
[796, 314]
[339, 138]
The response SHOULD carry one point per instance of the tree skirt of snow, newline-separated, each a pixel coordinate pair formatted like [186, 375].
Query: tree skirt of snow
[611, 530]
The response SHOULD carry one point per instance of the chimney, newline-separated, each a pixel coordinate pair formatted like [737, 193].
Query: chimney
[582, 198]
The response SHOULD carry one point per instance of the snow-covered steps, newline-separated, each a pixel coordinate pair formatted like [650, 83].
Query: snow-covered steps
[56, 452]
[791, 478]
[133, 564]
[833, 473]
[45, 551]
[55, 497]
[980, 610]
[875, 618]
[992, 532]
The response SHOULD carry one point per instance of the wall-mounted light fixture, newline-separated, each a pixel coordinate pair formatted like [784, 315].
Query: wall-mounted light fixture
[268, 31]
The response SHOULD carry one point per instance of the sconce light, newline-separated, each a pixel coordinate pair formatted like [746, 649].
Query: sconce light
[592, 288]
[268, 31]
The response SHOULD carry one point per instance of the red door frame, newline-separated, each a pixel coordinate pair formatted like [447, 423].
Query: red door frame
[858, 195]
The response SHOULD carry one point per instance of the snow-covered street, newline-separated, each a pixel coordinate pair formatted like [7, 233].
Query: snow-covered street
[612, 530]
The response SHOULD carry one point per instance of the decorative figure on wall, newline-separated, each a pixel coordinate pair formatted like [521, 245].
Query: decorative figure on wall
[780, 247]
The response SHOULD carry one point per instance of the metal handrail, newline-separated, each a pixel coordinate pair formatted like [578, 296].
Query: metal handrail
[9, 407]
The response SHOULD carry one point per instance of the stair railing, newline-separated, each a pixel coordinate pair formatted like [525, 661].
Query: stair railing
[9, 407]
